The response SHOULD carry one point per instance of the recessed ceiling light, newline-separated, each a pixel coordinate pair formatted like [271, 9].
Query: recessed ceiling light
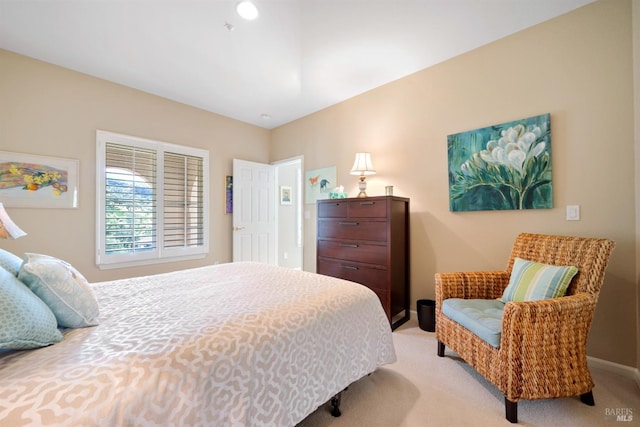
[247, 10]
[265, 116]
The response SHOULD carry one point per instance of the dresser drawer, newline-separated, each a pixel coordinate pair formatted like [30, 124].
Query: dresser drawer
[333, 210]
[366, 240]
[370, 276]
[352, 229]
[353, 251]
[368, 209]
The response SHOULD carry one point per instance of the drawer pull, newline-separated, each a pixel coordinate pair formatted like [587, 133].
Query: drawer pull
[349, 267]
[367, 203]
[348, 223]
[348, 245]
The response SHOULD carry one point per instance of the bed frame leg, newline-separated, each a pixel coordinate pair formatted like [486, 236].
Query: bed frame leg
[335, 405]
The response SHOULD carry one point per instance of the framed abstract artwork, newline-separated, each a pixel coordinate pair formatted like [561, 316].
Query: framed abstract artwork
[501, 167]
[318, 183]
[228, 192]
[29, 180]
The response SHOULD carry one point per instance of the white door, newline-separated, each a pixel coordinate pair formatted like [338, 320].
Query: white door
[254, 216]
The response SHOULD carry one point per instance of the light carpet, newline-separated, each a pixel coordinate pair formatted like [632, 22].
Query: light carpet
[422, 389]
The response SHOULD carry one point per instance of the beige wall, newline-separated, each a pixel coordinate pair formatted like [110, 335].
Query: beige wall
[53, 111]
[577, 67]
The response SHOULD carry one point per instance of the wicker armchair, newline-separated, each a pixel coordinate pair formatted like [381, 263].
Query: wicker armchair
[542, 352]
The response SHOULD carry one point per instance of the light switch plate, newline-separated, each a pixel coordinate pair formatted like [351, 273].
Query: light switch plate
[573, 212]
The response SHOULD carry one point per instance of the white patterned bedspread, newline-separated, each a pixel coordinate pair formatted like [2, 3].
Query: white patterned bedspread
[239, 344]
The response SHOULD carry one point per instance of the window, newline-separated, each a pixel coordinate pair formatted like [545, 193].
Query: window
[152, 201]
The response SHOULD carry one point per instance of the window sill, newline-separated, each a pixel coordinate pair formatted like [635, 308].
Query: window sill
[149, 261]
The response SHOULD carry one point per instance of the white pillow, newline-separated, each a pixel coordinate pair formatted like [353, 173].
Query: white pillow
[62, 288]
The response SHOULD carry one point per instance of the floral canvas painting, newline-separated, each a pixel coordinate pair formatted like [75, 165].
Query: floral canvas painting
[501, 167]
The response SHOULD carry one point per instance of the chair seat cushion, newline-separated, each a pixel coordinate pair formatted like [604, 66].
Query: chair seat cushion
[483, 317]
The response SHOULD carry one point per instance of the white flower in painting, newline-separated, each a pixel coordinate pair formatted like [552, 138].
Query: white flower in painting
[474, 162]
[514, 146]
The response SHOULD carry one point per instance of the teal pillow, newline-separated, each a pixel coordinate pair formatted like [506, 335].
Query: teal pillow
[10, 262]
[532, 281]
[62, 288]
[25, 320]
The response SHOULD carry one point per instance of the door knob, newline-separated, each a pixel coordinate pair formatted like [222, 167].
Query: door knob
[238, 228]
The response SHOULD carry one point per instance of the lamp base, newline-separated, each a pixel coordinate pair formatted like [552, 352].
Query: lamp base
[362, 185]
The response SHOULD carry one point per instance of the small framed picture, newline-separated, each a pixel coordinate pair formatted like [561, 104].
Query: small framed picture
[33, 181]
[228, 206]
[285, 195]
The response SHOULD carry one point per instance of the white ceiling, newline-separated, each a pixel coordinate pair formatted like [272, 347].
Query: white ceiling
[298, 57]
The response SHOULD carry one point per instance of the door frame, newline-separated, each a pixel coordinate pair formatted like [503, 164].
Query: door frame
[298, 200]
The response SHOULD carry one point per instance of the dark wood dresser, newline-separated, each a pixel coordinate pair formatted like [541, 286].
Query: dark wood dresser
[366, 240]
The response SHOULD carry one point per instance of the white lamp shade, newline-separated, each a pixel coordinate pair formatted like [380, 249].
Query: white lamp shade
[7, 227]
[363, 165]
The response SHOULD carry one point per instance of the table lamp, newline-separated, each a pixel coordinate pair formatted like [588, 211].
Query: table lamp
[363, 167]
[8, 229]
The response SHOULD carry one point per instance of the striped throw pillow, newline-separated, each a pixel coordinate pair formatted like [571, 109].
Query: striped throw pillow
[532, 281]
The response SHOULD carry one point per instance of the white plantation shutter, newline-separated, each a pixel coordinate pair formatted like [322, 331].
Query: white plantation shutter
[183, 201]
[152, 201]
[130, 196]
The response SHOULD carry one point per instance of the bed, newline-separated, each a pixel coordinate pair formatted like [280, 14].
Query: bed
[238, 344]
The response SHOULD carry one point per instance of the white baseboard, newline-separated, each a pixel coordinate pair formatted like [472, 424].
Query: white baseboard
[615, 368]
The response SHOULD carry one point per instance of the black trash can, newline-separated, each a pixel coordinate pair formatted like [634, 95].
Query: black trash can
[426, 309]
